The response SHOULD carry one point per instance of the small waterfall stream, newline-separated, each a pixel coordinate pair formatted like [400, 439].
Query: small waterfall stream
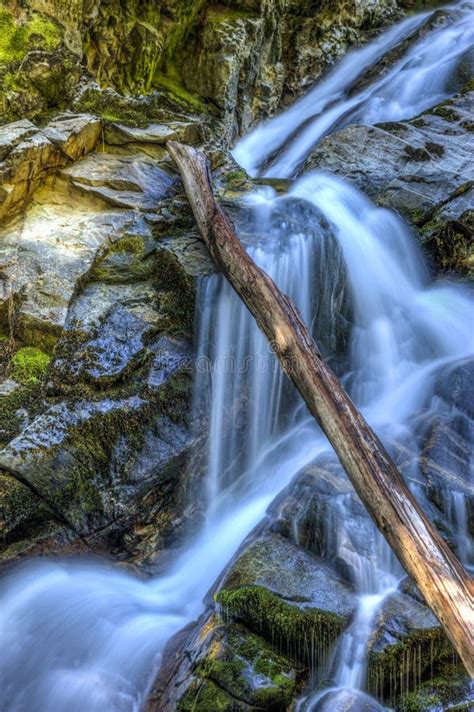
[86, 637]
[418, 78]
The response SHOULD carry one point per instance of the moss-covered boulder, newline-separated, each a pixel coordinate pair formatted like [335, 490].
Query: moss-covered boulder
[408, 644]
[293, 629]
[245, 672]
[448, 689]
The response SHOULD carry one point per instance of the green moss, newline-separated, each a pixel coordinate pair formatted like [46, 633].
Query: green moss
[177, 292]
[445, 113]
[91, 445]
[469, 86]
[401, 667]
[448, 687]
[187, 19]
[134, 244]
[221, 13]
[171, 84]
[204, 696]
[29, 365]
[435, 148]
[416, 154]
[16, 38]
[449, 242]
[125, 261]
[116, 108]
[244, 665]
[32, 331]
[228, 674]
[295, 630]
[236, 175]
[23, 516]
[12, 409]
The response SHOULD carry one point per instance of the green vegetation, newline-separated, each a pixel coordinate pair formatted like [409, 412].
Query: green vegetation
[29, 364]
[16, 39]
[444, 112]
[449, 687]
[243, 666]
[114, 107]
[171, 84]
[289, 627]
[220, 13]
[204, 696]
[402, 666]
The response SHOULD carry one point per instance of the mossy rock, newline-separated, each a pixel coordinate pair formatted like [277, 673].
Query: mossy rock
[114, 107]
[295, 630]
[172, 86]
[130, 259]
[172, 280]
[402, 667]
[23, 517]
[19, 37]
[205, 696]
[20, 396]
[29, 365]
[22, 402]
[245, 667]
[448, 688]
[37, 71]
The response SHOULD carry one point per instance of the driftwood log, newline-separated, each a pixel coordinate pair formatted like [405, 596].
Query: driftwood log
[444, 583]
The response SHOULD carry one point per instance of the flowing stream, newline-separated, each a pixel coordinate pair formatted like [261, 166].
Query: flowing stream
[82, 636]
[417, 78]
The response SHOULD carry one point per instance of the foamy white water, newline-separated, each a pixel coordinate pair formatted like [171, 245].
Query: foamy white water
[421, 77]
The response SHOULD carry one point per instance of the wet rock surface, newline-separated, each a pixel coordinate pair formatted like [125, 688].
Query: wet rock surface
[420, 168]
[97, 317]
[99, 257]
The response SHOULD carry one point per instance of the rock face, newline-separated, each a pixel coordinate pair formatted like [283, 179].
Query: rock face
[421, 168]
[236, 60]
[96, 320]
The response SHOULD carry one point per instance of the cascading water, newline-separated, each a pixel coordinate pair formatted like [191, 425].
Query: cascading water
[419, 78]
[82, 636]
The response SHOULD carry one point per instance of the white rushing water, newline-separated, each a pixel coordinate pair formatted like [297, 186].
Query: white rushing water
[82, 636]
[417, 79]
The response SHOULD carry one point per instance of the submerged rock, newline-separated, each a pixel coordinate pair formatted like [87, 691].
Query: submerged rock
[346, 701]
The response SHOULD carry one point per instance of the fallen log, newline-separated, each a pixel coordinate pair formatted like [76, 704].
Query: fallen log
[444, 583]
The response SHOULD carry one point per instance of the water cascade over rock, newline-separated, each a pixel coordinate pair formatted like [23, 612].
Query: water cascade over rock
[307, 596]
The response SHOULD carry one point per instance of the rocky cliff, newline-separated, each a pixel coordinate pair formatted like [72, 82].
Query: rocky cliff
[237, 60]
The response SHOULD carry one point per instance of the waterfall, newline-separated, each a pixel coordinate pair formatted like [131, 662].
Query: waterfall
[419, 78]
[84, 636]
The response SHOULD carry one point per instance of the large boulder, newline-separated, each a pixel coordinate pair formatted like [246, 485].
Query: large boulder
[276, 612]
[96, 310]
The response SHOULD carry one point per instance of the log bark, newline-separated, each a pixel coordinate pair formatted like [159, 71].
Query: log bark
[444, 583]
